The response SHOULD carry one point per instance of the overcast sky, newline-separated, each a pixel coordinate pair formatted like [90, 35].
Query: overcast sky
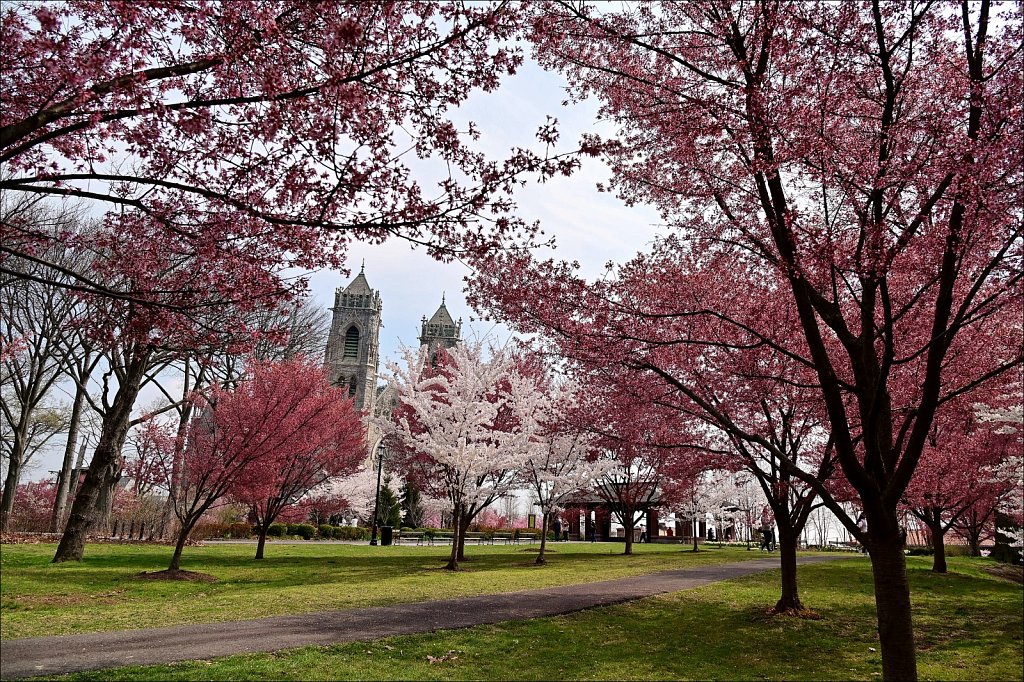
[590, 227]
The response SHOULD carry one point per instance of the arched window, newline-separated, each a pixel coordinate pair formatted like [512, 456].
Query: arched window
[351, 387]
[352, 342]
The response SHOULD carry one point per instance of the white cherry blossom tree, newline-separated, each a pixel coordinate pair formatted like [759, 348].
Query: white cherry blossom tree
[461, 427]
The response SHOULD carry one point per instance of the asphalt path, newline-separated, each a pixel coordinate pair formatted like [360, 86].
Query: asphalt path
[33, 656]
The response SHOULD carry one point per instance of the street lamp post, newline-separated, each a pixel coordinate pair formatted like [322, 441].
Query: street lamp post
[376, 499]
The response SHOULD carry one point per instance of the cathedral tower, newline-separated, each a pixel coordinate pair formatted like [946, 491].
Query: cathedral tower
[353, 342]
[440, 331]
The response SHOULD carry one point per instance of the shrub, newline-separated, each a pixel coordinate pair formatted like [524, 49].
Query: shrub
[326, 531]
[207, 531]
[351, 533]
[958, 550]
[277, 530]
[241, 530]
[306, 531]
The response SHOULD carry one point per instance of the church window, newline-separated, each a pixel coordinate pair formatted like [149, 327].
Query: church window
[351, 387]
[352, 342]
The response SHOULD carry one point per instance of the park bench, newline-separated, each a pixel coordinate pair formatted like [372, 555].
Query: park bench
[442, 537]
[850, 546]
[502, 537]
[407, 537]
[478, 538]
[528, 537]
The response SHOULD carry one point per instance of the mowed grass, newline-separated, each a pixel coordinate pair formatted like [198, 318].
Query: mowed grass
[968, 627]
[103, 593]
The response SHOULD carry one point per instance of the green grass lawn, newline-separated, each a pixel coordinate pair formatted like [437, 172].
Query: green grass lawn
[102, 593]
[968, 623]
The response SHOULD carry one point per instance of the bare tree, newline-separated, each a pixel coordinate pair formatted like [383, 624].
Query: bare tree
[36, 321]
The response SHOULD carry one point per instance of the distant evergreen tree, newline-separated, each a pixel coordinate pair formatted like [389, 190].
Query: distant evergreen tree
[389, 509]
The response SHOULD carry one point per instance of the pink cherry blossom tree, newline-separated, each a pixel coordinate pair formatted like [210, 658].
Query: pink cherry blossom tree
[280, 414]
[328, 440]
[862, 162]
[954, 477]
[223, 143]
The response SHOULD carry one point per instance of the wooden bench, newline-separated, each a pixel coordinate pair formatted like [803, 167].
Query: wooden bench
[446, 538]
[528, 537]
[409, 536]
[851, 546]
[502, 537]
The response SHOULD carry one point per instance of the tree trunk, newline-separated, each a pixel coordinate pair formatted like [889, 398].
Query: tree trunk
[262, 542]
[13, 474]
[180, 545]
[79, 465]
[543, 539]
[105, 503]
[184, 415]
[628, 518]
[790, 599]
[105, 462]
[461, 536]
[938, 541]
[453, 560]
[974, 542]
[67, 466]
[892, 606]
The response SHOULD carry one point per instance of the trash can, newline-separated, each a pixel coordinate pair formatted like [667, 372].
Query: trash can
[386, 535]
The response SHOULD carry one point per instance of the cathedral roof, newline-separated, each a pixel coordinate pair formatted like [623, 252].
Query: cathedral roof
[442, 316]
[359, 285]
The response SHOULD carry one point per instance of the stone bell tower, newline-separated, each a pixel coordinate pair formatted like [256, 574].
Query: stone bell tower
[440, 331]
[353, 342]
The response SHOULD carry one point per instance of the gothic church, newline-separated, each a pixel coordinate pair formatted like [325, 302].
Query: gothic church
[353, 350]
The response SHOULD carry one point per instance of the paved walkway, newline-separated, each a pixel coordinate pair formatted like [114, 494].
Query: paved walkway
[55, 655]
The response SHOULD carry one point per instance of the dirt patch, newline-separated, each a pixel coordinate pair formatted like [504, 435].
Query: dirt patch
[762, 615]
[804, 613]
[1007, 572]
[168, 574]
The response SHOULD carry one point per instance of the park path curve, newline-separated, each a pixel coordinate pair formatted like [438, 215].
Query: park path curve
[34, 656]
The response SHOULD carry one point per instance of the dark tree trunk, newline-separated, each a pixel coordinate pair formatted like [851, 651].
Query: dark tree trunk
[13, 475]
[790, 599]
[79, 466]
[105, 503]
[628, 519]
[543, 539]
[970, 527]
[60, 503]
[453, 560]
[892, 606]
[180, 545]
[105, 462]
[938, 540]
[461, 536]
[974, 542]
[262, 542]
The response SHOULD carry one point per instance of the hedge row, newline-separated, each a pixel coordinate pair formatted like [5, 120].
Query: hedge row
[488, 532]
[306, 531]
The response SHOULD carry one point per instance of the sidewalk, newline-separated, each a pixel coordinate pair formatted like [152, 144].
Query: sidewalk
[28, 657]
